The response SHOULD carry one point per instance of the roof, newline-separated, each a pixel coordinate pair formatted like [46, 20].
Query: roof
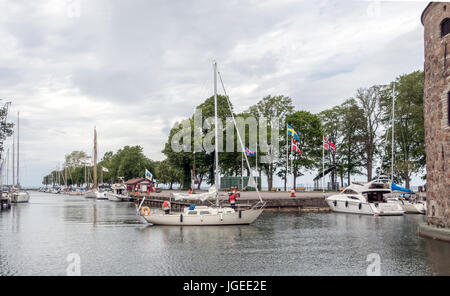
[137, 180]
[423, 12]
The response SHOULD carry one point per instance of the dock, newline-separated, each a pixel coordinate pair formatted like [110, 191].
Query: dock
[280, 201]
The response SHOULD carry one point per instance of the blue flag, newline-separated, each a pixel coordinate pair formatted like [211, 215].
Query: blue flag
[292, 132]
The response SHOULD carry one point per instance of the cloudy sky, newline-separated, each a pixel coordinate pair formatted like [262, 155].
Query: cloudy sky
[133, 68]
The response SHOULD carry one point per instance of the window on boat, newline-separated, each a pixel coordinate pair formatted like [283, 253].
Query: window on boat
[353, 197]
[350, 191]
[205, 213]
[192, 213]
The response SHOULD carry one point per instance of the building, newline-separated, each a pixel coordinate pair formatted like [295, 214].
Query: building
[138, 184]
[436, 22]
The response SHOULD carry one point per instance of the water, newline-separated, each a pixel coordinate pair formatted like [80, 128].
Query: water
[36, 238]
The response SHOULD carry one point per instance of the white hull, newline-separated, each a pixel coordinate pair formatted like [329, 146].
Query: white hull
[20, 197]
[410, 207]
[235, 218]
[101, 195]
[364, 208]
[117, 197]
[90, 194]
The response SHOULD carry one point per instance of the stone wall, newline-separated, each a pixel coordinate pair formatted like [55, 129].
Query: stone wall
[436, 100]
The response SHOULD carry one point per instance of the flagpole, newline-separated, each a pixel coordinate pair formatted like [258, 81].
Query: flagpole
[323, 165]
[242, 171]
[292, 169]
[287, 155]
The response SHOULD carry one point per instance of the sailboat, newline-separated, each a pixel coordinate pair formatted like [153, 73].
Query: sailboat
[93, 192]
[214, 214]
[18, 195]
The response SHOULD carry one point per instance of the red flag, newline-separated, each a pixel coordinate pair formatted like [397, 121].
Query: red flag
[332, 147]
[295, 147]
[326, 145]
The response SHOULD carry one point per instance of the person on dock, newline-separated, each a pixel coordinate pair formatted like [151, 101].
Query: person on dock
[166, 207]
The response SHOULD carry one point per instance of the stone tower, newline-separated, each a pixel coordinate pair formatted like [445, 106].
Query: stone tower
[436, 22]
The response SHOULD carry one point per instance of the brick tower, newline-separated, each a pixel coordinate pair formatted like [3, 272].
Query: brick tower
[436, 22]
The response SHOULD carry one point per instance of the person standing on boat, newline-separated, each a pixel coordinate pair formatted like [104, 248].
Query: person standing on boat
[166, 207]
[232, 199]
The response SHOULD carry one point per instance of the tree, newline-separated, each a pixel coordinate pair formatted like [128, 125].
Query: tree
[352, 126]
[309, 128]
[270, 108]
[167, 174]
[6, 128]
[369, 102]
[409, 138]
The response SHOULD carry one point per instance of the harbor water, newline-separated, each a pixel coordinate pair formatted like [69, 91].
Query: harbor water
[39, 238]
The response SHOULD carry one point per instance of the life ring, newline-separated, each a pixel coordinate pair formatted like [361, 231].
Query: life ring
[145, 211]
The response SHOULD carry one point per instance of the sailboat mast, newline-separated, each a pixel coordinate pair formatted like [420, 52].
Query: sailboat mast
[13, 162]
[216, 150]
[393, 129]
[95, 158]
[18, 134]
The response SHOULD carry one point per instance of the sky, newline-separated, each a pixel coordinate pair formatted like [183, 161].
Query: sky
[134, 68]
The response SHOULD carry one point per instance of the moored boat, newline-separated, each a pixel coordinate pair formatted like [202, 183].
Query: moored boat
[366, 199]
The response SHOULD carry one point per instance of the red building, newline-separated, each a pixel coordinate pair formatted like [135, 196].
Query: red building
[139, 185]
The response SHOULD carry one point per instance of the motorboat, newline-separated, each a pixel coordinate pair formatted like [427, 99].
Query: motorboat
[119, 193]
[366, 199]
[214, 214]
[20, 196]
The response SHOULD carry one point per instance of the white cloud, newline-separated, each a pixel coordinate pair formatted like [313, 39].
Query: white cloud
[133, 68]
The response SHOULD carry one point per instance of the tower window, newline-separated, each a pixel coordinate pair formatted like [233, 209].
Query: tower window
[445, 27]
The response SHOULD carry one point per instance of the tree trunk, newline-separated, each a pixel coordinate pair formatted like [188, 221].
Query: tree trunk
[171, 184]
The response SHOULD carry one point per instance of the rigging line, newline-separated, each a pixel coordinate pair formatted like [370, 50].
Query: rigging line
[238, 133]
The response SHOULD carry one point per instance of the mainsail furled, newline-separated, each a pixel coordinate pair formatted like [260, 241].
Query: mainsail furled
[212, 191]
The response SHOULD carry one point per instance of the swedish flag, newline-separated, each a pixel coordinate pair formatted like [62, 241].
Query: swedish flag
[292, 132]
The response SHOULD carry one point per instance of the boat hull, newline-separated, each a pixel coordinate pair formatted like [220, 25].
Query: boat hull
[236, 218]
[20, 197]
[117, 197]
[90, 194]
[101, 195]
[364, 208]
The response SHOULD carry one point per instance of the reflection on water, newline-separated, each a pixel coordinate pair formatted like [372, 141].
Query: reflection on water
[36, 238]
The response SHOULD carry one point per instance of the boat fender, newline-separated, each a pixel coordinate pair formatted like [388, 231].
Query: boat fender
[376, 204]
[181, 218]
[346, 203]
[335, 203]
[359, 206]
[145, 211]
[221, 217]
[240, 214]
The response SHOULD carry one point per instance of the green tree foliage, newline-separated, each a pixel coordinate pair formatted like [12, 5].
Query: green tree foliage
[167, 174]
[271, 107]
[6, 128]
[409, 136]
[309, 128]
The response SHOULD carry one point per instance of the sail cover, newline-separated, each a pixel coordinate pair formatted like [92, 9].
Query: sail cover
[212, 191]
[395, 187]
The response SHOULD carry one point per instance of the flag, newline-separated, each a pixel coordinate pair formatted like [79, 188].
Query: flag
[148, 175]
[295, 147]
[249, 152]
[292, 132]
[326, 144]
[332, 147]
[105, 169]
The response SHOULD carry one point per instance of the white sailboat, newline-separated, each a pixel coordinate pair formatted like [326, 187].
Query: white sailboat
[92, 193]
[214, 214]
[18, 195]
